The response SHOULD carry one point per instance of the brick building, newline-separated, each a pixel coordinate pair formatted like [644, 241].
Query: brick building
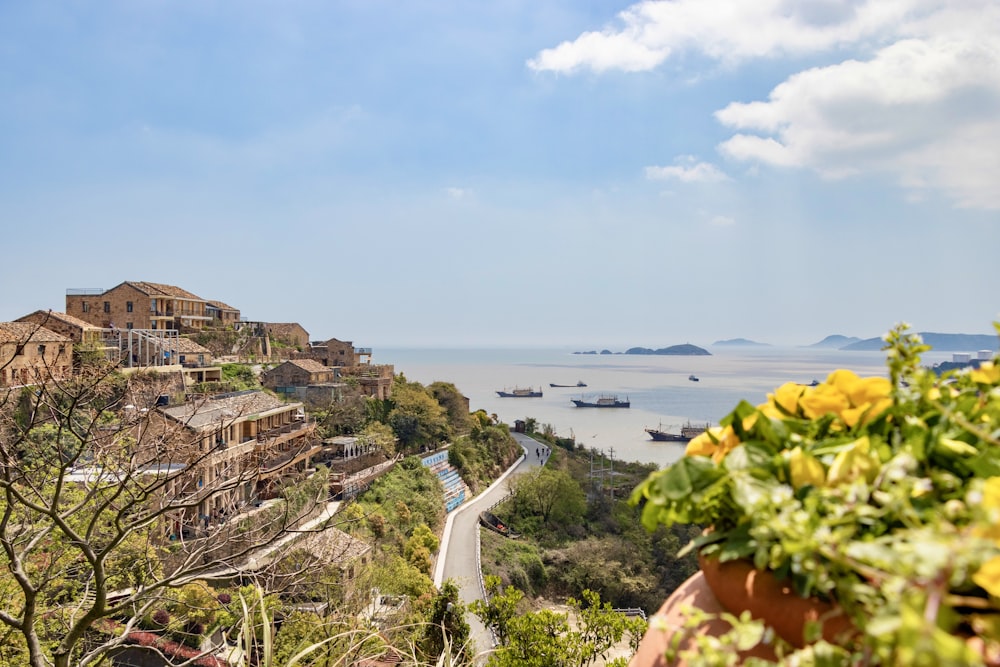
[32, 354]
[297, 373]
[222, 315]
[140, 305]
[243, 443]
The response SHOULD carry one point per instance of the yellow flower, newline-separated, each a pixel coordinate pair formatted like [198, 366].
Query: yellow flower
[785, 399]
[988, 576]
[805, 469]
[865, 412]
[823, 399]
[855, 461]
[987, 373]
[715, 442]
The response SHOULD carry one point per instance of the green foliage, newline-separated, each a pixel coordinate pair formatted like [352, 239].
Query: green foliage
[546, 638]
[880, 494]
[455, 405]
[417, 418]
[446, 629]
[484, 454]
[239, 377]
[550, 494]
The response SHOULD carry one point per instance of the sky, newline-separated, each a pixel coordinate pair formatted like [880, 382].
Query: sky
[581, 173]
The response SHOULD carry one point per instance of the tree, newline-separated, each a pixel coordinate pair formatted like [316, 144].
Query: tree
[92, 482]
[499, 608]
[446, 628]
[456, 406]
[546, 638]
[550, 494]
[417, 418]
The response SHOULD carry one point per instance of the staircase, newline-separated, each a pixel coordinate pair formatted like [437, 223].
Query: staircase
[455, 489]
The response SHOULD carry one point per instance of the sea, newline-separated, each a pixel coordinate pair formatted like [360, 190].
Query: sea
[659, 387]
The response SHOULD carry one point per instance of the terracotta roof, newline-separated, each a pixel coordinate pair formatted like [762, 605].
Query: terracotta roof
[55, 315]
[25, 332]
[160, 289]
[310, 365]
[221, 306]
[225, 407]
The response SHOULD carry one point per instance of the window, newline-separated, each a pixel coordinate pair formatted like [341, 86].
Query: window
[128, 306]
[86, 307]
[128, 325]
[153, 324]
[107, 306]
[152, 305]
[19, 350]
[41, 350]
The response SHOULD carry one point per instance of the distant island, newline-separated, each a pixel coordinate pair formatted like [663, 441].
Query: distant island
[939, 342]
[680, 350]
[835, 342]
[739, 342]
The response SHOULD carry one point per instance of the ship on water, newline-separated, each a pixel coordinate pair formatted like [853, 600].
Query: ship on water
[602, 402]
[581, 383]
[519, 393]
[688, 432]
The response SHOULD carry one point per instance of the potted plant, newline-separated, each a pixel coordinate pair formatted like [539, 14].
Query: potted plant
[869, 506]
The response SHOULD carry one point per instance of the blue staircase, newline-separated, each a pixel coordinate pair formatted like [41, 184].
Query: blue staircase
[455, 490]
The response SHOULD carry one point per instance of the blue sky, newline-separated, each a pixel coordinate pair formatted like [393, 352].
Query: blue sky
[590, 174]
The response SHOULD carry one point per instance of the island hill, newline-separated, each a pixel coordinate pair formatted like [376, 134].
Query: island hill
[940, 342]
[686, 349]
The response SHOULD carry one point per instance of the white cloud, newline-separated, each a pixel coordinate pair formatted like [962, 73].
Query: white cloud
[918, 101]
[923, 110]
[696, 172]
[727, 30]
[457, 193]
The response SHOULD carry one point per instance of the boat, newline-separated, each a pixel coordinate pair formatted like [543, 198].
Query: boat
[492, 522]
[688, 432]
[693, 378]
[520, 393]
[602, 402]
[660, 435]
[581, 383]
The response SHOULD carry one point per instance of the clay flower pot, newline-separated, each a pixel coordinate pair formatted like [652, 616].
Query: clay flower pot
[693, 593]
[739, 587]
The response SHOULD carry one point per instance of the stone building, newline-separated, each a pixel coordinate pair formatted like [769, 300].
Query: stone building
[222, 315]
[242, 444]
[140, 305]
[32, 354]
[297, 373]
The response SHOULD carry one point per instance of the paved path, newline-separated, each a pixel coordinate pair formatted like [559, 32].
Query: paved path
[458, 559]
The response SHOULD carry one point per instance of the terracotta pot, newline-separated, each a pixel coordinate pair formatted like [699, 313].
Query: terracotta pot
[693, 593]
[739, 587]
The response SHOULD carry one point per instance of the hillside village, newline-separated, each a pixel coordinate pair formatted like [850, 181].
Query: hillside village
[206, 448]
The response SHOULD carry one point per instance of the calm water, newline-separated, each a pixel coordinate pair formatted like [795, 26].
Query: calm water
[657, 386]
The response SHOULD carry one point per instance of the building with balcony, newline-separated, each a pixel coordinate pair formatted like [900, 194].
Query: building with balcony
[140, 305]
[239, 448]
[222, 315]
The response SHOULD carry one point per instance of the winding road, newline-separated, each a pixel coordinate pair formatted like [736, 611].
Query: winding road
[458, 559]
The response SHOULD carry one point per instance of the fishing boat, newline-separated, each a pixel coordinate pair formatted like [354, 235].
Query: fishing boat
[519, 393]
[581, 383]
[688, 432]
[602, 402]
